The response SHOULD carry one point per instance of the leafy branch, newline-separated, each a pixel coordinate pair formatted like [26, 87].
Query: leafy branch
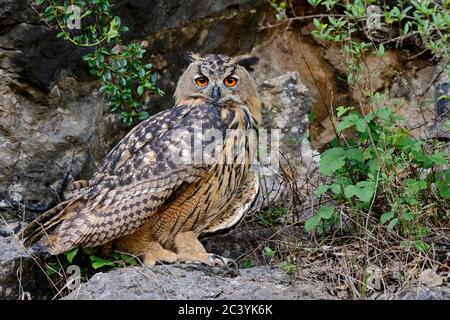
[125, 78]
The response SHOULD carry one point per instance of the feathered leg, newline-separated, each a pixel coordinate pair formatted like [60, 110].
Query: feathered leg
[156, 253]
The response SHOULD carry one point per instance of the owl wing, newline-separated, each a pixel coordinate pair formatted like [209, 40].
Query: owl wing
[135, 179]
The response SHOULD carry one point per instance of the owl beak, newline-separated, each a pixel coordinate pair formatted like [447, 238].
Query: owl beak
[215, 94]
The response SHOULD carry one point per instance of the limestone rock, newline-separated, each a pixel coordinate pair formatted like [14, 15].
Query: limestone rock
[286, 105]
[195, 282]
[20, 275]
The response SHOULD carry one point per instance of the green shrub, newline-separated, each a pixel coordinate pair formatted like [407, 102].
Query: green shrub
[90, 261]
[125, 77]
[385, 167]
[377, 169]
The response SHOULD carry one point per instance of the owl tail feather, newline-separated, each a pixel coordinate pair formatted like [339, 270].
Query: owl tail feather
[43, 224]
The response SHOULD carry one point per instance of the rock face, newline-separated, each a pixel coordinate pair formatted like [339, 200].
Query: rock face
[416, 98]
[196, 283]
[289, 51]
[286, 105]
[411, 87]
[284, 144]
[46, 138]
[425, 293]
[20, 275]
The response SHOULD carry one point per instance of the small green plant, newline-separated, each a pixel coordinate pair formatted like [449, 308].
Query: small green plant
[125, 78]
[247, 263]
[273, 215]
[289, 266]
[280, 7]
[89, 260]
[325, 216]
[269, 252]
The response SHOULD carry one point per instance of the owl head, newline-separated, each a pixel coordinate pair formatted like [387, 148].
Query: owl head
[216, 79]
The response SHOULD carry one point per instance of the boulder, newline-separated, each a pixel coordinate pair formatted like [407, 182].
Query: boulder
[286, 155]
[195, 282]
[21, 277]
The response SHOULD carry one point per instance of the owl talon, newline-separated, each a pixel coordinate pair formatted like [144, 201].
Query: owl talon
[226, 263]
[214, 259]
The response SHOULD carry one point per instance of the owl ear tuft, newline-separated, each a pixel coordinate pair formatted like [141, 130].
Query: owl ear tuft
[246, 61]
[190, 57]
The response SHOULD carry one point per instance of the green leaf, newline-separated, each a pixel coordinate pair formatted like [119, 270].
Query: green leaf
[140, 90]
[317, 23]
[51, 268]
[314, 3]
[71, 254]
[362, 192]
[143, 115]
[387, 216]
[365, 194]
[366, 184]
[88, 250]
[381, 50]
[246, 264]
[341, 110]
[360, 126]
[98, 262]
[127, 259]
[438, 158]
[384, 114]
[348, 121]
[268, 252]
[421, 246]
[112, 33]
[336, 188]
[39, 2]
[331, 161]
[407, 216]
[424, 160]
[326, 212]
[392, 224]
[132, 262]
[350, 191]
[122, 81]
[312, 222]
[321, 190]
[443, 189]
[354, 154]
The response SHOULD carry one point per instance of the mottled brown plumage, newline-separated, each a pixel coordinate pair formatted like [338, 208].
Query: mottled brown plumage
[147, 200]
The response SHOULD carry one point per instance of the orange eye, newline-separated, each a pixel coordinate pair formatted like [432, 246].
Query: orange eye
[230, 81]
[201, 81]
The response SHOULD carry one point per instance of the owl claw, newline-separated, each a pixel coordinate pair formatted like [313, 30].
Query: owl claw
[226, 263]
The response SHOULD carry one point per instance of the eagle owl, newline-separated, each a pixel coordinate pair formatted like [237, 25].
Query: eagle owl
[149, 196]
